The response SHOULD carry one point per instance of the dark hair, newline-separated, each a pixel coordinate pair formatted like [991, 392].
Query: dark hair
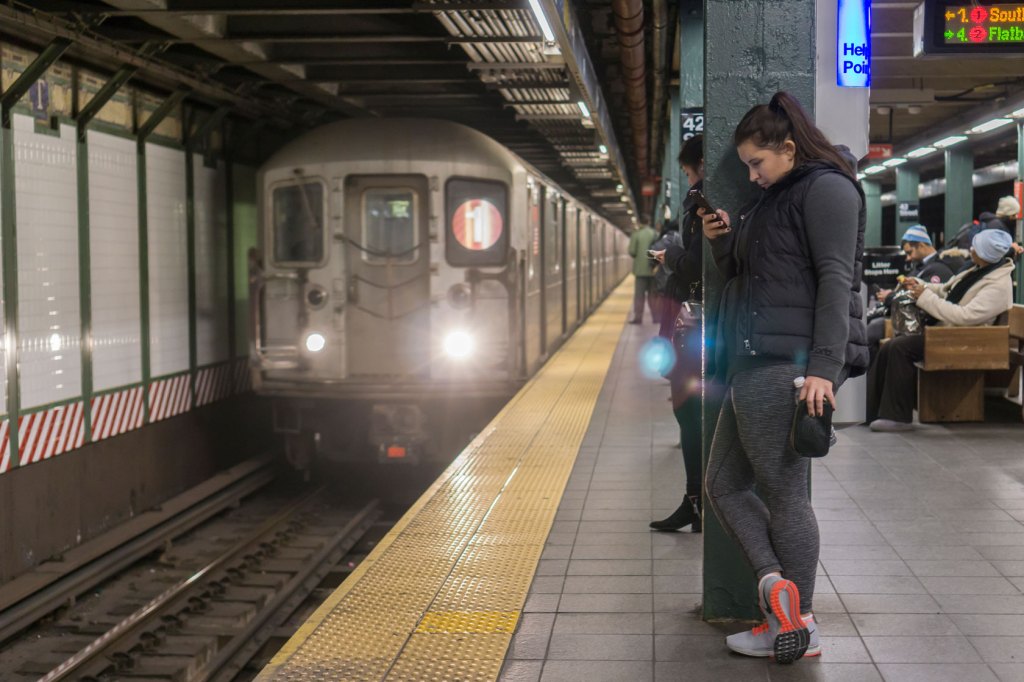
[769, 126]
[692, 152]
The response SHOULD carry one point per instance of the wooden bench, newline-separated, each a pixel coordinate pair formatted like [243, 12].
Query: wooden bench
[951, 378]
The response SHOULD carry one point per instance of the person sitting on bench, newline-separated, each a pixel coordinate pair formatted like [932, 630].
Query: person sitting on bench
[975, 297]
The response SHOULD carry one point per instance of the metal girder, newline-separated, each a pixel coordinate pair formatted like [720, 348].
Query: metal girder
[168, 105]
[108, 90]
[526, 85]
[514, 66]
[352, 39]
[232, 9]
[208, 35]
[30, 75]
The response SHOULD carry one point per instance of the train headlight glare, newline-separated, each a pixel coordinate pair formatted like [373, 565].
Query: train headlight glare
[315, 342]
[458, 344]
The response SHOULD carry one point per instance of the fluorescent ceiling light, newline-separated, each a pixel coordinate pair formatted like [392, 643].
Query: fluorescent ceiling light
[949, 141]
[1018, 114]
[871, 170]
[990, 125]
[602, 148]
[542, 21]
[861, 176]
[921, 151]
[894, 162]
[583, 108]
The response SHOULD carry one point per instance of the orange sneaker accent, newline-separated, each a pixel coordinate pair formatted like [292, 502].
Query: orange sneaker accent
[760, 629]
[794, 607]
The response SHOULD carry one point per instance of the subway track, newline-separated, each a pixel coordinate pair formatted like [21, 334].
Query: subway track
[217, 598]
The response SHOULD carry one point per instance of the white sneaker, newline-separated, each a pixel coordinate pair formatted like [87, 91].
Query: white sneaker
[890, 426]
[760, 643]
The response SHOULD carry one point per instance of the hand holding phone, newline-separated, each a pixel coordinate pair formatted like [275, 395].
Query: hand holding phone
[651, 253]
[701, 200]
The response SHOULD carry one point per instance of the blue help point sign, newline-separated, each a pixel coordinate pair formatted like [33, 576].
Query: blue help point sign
[853, 44]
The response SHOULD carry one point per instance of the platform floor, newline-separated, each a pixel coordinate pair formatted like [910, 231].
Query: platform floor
[922, 559]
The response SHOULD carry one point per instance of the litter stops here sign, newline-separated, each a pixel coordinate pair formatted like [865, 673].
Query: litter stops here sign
[963, 28]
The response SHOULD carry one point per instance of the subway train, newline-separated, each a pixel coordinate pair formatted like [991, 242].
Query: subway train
[411, 275]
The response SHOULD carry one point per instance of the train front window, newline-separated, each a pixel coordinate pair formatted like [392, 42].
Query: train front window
[389, 225]
[477, 222]
[298, 211]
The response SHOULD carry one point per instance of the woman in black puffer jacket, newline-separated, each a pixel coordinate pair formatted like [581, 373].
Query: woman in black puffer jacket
[791, 309]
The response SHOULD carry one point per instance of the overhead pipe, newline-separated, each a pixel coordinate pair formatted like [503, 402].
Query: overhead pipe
[629, 24]
[660, 39]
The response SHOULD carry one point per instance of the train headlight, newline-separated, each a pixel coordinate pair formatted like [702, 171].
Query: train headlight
[458, 344]
[315, 342]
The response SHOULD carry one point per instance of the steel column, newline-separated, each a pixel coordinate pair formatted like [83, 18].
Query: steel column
[9, 232]
[907, 181]
[743, 68]
[142, 133]
[85, 116]
[873, 208]
[959, 188]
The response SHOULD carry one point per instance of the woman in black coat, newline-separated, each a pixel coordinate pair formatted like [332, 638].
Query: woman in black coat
[683, 262]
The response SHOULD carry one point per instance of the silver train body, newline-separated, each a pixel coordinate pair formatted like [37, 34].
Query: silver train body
[411, 274]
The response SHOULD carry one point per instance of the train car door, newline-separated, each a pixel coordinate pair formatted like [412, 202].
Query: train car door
[387, 317]
[552, 269]
[533, 307]
[571, 300]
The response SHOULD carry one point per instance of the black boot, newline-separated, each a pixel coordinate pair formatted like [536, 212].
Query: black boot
[688, 514]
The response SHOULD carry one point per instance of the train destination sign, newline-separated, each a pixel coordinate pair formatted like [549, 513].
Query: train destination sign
[959, 27]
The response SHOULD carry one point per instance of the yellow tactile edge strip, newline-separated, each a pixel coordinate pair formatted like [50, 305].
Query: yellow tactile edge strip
[440, 595]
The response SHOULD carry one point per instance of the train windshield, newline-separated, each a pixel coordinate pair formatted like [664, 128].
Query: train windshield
[389, 225]
[299, 223]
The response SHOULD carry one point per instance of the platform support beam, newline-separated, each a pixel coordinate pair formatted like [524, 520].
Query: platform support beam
[85, 116]
[907, 181]
[742, 70]
[1018, 192]
[959, 188]
[873, 208]
[9, 231]
[142, 133]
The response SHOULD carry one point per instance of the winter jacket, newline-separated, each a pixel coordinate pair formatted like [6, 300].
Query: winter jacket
[989, 221]
[793, 289]
[639, 242]
[685, 260]
[981, 305]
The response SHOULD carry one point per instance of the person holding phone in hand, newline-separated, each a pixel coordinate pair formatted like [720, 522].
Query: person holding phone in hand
[790, 308]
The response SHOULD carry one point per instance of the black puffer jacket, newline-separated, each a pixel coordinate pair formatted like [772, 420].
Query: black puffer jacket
[793, 289]
[685, 260]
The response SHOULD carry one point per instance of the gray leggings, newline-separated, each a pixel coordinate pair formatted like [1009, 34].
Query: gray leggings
[777, 531]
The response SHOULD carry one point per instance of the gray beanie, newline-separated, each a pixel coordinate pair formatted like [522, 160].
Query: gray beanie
[991, 245]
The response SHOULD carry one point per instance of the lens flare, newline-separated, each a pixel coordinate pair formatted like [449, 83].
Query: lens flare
[657, 358]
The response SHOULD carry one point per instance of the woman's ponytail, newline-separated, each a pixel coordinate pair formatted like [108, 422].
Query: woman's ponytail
[769, 126]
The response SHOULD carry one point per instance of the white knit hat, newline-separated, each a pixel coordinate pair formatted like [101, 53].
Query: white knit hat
[1008, 207]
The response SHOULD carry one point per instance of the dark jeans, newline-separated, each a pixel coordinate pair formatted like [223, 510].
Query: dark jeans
[685, 387]
[644, 287]
[892, 379]
[669, 310]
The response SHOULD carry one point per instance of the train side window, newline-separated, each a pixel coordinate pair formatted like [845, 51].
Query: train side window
[477, 222]
[298, 211]
[390, 232]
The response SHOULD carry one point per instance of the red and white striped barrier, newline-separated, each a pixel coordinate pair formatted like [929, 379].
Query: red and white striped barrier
[5, 446]
[116, 413]
[214, 383]
[243, 376]
[169, 397]
[42, 435]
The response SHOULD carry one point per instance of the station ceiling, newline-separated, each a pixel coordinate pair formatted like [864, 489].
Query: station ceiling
[914, 96]
[484, 63]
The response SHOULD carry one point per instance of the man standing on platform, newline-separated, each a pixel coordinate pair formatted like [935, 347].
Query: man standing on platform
[643, 271]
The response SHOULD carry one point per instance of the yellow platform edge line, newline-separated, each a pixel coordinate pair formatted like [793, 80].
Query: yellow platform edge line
[590, 332]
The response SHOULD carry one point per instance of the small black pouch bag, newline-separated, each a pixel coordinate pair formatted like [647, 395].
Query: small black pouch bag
[811, 436]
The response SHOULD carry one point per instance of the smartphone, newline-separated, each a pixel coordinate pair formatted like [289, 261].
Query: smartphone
[702, 202]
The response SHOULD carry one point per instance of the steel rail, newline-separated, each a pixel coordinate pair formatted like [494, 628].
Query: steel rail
[130, 624]
[27, 611]
[256, 632]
